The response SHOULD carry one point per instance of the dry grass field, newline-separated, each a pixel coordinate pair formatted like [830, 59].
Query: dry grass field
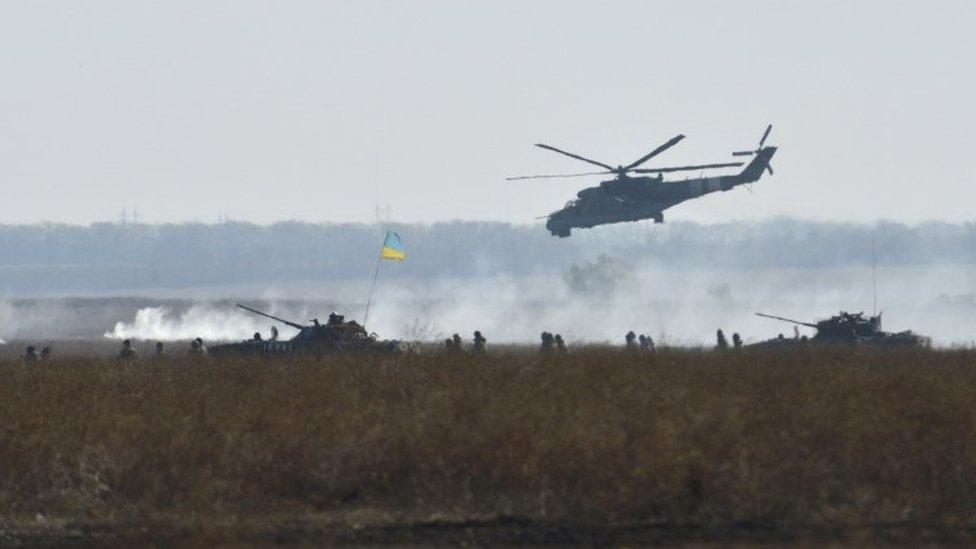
[599, 446]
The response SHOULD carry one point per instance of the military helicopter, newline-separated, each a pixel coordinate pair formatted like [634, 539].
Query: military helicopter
[629, 198]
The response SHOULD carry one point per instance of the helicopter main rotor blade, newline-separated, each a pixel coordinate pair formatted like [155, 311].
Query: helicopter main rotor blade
[551, 176]
[685, 168]
[743, 153]
[672, 142]
[765, 135]
[571, 155]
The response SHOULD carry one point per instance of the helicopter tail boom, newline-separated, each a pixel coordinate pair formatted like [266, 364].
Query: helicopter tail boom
[754, 170]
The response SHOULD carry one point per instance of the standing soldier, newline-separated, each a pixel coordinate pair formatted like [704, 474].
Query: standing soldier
[646, 343]
[274, 333]
[630, 343]
[736, 340]
[127, 353]
[159, 354]
[721, 343]
[201, 348]
[31, 357]
[456, 340]
[479, 343]
[560, 344]
[547, 342]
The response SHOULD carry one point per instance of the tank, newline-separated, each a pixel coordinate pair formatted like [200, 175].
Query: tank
[337, 335]
[850, 329]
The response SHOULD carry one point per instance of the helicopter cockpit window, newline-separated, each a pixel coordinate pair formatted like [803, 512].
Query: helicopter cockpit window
[572, 203]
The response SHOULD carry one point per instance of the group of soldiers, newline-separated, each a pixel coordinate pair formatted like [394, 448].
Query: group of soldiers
[633, 342]
[33, 357]
[454, 344]
[126, 354]
[721, 343]
[552, 343]
[197, 349]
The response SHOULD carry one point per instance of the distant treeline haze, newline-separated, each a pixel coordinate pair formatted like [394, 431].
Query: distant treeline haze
[109, 256]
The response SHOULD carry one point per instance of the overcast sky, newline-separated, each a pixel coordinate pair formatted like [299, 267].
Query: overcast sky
[320, 111]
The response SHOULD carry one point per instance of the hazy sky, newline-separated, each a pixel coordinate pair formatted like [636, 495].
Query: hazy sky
[264, 111]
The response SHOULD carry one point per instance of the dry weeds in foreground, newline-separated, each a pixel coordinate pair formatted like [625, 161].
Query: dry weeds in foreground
[825, 438]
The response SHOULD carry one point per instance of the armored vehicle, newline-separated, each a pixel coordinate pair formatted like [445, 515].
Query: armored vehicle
[850, 329]
[335, 336]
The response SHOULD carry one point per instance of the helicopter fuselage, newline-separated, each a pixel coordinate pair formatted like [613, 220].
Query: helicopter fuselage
[637, 198]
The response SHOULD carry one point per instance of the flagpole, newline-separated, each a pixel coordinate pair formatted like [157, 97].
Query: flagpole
[376, 275]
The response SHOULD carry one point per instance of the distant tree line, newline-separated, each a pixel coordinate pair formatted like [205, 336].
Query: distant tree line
[113, 257]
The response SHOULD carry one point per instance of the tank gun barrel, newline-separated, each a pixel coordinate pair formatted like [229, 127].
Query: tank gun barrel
[272, 317]
[790, 320]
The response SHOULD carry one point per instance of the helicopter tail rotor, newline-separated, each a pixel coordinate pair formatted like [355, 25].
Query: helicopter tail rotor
[762, 144]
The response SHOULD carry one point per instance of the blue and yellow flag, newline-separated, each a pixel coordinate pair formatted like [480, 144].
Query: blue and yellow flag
[393, 247]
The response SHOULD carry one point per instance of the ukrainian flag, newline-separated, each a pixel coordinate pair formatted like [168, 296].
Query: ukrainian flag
[393, 247]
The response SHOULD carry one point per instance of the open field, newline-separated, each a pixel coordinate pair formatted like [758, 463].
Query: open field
[600, 446]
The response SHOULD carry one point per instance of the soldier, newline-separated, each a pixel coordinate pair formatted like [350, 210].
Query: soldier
[159, 354]
[721, 342]
[456, 341]
[31, 357]
[547, 342]
[560, 344]
[274, 333]
[479, 343]
[449, 345]
[630, 343]
[127, 353]
[197, 349]
[736, 340]
[201, 347]
[257, 336]
[646, 343]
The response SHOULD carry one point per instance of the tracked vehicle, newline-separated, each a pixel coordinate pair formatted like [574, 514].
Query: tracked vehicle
[849, 329]
[335, 336]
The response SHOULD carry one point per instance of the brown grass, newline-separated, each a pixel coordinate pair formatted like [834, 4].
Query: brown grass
[814, 439]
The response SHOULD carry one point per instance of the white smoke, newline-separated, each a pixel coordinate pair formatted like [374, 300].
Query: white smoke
[674, 306]
[679, 306]
[6, 320]
[204, 321]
